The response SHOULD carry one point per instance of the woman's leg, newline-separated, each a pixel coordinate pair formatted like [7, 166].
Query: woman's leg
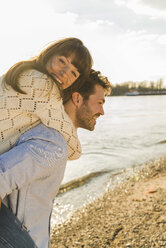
[12, 233]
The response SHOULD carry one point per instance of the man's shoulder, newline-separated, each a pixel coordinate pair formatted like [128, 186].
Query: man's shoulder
[43, 132]
[46, 140]
[44, 145]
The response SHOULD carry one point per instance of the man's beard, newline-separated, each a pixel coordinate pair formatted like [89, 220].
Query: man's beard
[84, 117]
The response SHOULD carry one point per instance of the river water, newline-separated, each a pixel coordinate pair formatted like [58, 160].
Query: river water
[132, 132]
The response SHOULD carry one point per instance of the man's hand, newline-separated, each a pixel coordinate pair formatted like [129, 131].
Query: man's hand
[0, 202]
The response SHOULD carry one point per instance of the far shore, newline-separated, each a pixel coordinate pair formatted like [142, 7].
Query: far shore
[130, 215]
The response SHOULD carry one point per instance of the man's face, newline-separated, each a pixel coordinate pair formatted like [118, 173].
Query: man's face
[91, 109]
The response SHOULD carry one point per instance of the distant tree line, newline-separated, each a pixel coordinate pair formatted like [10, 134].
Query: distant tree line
[144, 86]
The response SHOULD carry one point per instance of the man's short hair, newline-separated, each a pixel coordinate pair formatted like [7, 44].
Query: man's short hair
[88, 87]
[95, 78]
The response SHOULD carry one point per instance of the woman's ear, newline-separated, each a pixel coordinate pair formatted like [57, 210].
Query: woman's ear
[77, 99]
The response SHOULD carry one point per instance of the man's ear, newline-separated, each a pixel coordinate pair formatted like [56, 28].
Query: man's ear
[77, 99]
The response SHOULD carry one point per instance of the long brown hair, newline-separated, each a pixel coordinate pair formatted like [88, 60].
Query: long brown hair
[69, 46]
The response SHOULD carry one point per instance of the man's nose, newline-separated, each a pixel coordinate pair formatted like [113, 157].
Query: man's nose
[102, 111]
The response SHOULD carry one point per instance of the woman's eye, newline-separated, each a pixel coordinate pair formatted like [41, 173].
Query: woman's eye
[62, 61]
[74, 74]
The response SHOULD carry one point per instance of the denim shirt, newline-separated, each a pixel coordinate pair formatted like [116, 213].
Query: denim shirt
[30, 177]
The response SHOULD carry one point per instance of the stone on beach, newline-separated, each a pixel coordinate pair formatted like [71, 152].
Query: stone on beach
[131, 215]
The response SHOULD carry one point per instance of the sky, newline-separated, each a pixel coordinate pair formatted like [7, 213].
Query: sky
[127, 38]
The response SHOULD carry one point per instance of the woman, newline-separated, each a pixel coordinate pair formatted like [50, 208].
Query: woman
[31, 92]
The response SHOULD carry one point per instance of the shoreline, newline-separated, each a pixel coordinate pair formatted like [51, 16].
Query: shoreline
[132, 214]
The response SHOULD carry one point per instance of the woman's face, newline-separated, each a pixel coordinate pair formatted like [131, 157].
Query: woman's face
[62, 69]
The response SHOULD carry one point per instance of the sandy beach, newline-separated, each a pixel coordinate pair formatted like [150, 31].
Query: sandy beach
[132, 215]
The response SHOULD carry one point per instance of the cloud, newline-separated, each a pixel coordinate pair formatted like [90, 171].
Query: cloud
[120, 2]
[125, 14]
[156, 4]
[89, 9]
[151, 8]
[125, 44]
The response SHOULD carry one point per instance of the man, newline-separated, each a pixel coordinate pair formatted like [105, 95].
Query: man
[86, 105]
[32, 171]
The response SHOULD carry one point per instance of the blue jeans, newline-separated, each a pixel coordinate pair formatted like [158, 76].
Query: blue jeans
[12, 233]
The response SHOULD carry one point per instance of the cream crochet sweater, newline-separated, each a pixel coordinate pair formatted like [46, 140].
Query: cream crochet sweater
[20, 112]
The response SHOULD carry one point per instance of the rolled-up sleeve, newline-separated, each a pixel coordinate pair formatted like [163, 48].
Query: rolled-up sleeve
[28, 161]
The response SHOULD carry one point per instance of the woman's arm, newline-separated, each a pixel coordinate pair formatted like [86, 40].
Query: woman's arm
[44, 102]
[43, 99]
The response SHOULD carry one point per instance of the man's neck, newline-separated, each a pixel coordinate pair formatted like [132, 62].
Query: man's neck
[70, 110]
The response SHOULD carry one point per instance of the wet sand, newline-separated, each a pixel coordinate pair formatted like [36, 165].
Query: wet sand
[131, 215]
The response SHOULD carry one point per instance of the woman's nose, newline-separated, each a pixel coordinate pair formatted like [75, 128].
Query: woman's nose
[64, 71]
[66, 68]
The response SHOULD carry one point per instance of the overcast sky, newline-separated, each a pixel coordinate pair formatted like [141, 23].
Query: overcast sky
[127, 38]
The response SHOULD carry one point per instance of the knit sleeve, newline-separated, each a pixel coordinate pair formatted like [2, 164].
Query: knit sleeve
[57, 118]
[43, 100]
